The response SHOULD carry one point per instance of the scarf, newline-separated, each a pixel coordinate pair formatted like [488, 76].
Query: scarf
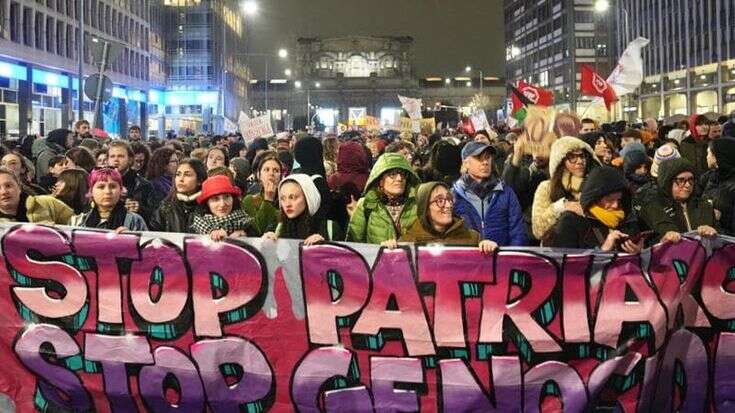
[572, 184]
[482, 188]
[392, 201]
[113, 222]
[188, 198]
[237, 220]
[639, 179]
[300, 227]
[611, 219]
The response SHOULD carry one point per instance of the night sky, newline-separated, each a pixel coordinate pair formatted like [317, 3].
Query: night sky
[448, 34]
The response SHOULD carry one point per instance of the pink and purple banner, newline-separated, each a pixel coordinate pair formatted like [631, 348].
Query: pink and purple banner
[94, 321]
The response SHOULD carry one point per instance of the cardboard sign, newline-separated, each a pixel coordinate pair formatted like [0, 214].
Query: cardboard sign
[411, 106]
[537, 128]
[252, 128]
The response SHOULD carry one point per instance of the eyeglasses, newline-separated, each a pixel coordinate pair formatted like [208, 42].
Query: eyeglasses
[395, 173]
[443, 202]
[684, 181]
[576, 157]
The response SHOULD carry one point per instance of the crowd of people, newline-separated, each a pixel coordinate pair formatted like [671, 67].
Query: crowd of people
[612, 187]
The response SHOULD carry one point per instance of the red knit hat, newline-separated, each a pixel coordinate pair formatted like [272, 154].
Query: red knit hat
[217, 185]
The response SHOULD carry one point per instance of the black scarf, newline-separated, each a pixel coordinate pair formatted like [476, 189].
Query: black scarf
[115, 221]
[300, 227]
[393, 201]
[639, 180]
[482, 188]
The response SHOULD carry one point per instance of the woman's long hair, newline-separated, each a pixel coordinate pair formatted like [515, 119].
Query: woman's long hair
[199, 169]
[75, 189]
[158, 165]
[82, 158]
[557, 190]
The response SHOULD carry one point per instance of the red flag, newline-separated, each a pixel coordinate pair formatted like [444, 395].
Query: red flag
[535, 94]
[467, 126]
[595, 85]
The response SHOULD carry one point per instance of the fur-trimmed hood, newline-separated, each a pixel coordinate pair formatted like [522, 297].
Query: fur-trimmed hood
[562, 146]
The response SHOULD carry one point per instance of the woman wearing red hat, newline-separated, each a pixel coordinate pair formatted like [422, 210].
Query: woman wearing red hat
[224, 217]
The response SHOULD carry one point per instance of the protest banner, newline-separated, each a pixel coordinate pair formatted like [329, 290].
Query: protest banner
[97, 321]
[252, 128]
[426, 126]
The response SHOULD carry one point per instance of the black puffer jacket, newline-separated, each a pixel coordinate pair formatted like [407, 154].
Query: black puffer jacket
[176, 215]
[662, 213]
[587, 232]
[720, 187]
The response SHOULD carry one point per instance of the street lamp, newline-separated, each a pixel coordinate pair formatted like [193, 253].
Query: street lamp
[318, 85]
[282, 53]
[469, 84]
[602, 6]
[287, 72]
[468, 69]
[250, 7]
[297, 84]
[447, 81]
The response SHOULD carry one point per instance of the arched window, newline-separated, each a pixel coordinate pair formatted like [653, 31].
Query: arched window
[357, 66]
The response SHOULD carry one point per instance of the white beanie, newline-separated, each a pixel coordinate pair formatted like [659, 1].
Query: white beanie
[676, 135]
[306, 182]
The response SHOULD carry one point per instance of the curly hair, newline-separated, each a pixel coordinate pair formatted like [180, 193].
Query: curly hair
[158, 164]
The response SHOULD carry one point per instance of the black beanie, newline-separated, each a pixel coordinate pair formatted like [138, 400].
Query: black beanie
[600, 182]
[58, 136]
[724, 151]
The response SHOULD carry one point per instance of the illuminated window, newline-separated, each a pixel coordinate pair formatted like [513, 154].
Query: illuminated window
[357, 66]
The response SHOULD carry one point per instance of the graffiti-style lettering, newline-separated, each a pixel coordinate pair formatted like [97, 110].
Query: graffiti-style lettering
[615, 308]
[336, 286]
[47, 276]
[394, 304]
[523, 283]
[58, 386]
[153, 322]
[106, 249]
[228, 285]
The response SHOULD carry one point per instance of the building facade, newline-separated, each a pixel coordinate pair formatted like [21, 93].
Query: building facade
[547, 41]
[39, 48]
[206, 76]
[338, 79]
[690, 63]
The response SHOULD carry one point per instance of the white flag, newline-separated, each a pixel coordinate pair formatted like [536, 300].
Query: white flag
[628, 74]
[412, 106]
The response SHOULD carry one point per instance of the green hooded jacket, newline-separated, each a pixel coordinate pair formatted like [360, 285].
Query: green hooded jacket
[663, 214]
[371, 222]
[423, 232]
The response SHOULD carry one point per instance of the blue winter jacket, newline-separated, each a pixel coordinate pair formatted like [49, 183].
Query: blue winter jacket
[498, 217]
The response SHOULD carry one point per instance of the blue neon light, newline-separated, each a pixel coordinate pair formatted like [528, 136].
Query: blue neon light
[178, 98]
[49, 78]
[154, 96]
[13, 71]
[118, 92]
[137, 95]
